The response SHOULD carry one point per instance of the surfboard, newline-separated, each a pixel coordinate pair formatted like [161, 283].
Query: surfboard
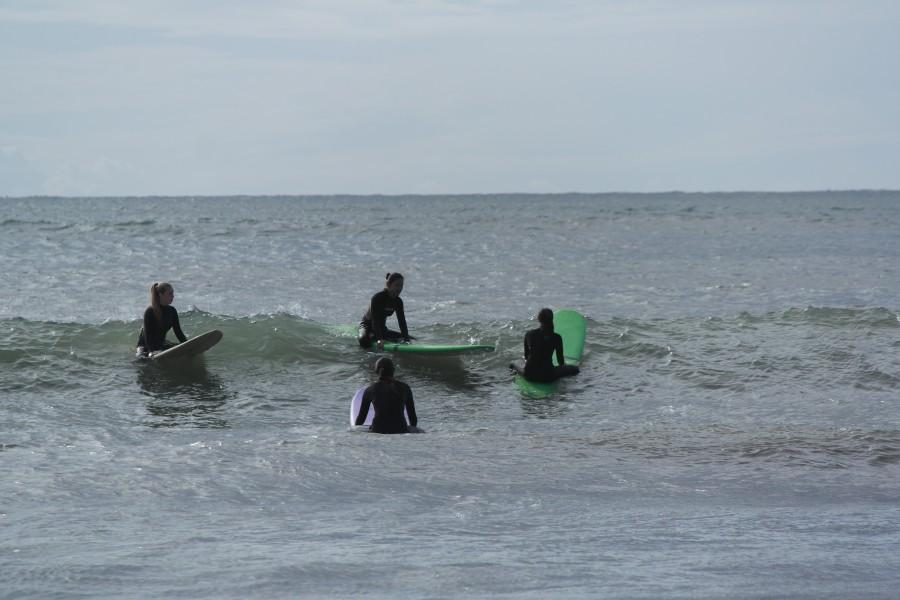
[356, 404]
[442, 349]
[572, 327]
[192, 347]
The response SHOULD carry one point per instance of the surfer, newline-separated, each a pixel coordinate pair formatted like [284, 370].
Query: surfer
[385, 303]
[540, 344]
[159, 318]
[388, 397]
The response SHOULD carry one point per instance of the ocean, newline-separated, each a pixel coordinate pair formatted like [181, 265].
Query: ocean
[734, 431]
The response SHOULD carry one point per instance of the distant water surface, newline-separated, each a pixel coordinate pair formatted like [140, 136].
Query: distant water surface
[734, 433]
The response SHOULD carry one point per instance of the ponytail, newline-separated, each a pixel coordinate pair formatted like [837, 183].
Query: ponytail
[155, 290]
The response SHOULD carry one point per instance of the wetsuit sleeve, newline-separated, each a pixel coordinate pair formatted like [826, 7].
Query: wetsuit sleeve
[376, 310]
[176, 327]
[410, 406]
[560, 357]
[401, 319]
[364, 407]
[151, 331]
[526, 349]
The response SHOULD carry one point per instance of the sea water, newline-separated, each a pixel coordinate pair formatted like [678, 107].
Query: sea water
[734, 431]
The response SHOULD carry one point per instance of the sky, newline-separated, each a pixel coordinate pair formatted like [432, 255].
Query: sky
[225, 97]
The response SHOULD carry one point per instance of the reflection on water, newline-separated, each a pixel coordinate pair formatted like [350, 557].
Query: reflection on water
[545, 408]
[452, 371]
[182, 392]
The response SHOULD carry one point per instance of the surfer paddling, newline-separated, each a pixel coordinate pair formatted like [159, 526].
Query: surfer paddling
[385, 303]
[159, 318]
[540, 345]
[389, 398]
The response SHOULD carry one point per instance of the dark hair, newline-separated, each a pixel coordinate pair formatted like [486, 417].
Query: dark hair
[392, 277]
[384, 367]
[545, 318]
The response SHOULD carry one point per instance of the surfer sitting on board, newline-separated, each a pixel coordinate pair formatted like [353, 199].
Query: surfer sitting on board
[540, 344]
[159, 318]
[388, 397]
[373, 327]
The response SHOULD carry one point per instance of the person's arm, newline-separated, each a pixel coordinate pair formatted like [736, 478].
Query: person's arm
[526, 351]
[176, 327]
[364, 408]
[560, 357]
[376, 310]
[401, 320]
[410, 407]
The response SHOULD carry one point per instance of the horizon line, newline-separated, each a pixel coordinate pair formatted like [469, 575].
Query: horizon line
[444, 195]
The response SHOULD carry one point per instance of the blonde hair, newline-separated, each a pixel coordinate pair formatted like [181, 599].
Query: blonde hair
[156, 289]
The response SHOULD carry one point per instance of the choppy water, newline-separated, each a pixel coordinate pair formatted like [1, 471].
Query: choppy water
[734, 433]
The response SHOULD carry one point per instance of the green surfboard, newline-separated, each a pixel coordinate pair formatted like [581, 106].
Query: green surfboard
[572, 327]
[442, 349]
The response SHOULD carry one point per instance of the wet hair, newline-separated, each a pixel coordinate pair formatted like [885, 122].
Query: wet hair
[155, 290]
[392, 277]
[545, 318]
[384, 367]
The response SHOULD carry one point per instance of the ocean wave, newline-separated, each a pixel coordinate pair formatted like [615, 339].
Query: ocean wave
[278, 336]
[739, 354]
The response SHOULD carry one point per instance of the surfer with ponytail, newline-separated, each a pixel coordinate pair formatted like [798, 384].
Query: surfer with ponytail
[389, 398]
[159, 318]
[373, 328]
[540, 345]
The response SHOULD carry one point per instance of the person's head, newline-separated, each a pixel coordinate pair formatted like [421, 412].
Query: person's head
[161, 294]
[393, 283]
[545, 318]
[384, 367]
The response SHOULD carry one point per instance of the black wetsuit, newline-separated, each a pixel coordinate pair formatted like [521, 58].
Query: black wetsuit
[389, 397]
[153, 334]
[374, 322]
[539, 348]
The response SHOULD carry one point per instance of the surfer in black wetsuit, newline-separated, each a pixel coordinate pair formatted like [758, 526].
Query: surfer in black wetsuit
[389, 397]
[540, 344]
[159, 318]
[385, 303]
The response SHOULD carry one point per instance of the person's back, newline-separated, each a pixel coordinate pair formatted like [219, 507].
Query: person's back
[540, 345]
[389, 398]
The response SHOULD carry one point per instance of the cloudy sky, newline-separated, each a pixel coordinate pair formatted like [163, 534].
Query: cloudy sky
[447, 96]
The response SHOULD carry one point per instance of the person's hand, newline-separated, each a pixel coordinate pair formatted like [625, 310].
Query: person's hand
[406, 340]
[379, 344]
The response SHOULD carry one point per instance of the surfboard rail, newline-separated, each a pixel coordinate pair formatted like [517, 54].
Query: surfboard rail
[445, 349]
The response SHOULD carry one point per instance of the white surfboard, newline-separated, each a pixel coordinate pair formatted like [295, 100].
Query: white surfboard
[192, 347]
[356, 404]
